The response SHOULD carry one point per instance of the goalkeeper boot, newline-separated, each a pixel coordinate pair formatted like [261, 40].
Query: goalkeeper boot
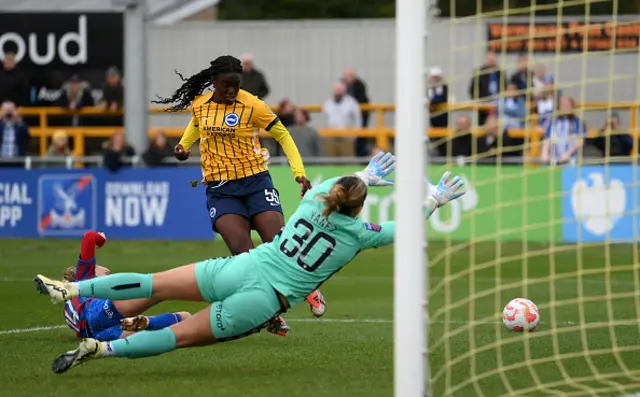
[58, 291]
[134, 324]
[88, 349]
[278, 326]
[316, 303]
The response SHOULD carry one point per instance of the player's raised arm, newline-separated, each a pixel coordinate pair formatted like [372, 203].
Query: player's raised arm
[86, 267]
[448, 189]
[266, 119]
[380, 166]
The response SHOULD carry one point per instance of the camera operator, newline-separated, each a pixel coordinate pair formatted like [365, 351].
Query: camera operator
[14, 135]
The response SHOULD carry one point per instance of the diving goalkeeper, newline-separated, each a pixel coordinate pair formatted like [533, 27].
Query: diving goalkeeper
[247, 290]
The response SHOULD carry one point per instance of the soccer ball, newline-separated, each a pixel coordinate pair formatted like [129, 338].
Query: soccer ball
[521, 315]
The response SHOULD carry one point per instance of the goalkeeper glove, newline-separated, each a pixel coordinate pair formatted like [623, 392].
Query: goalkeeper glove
[446, 190]
[381, 165]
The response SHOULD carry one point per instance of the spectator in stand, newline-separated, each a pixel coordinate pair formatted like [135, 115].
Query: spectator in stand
[540, 79]
[286, 109]
[613, 140]
[285, 112]
[545, 105]
[512, 108]
[14, 134]
[159, 149]
[59, 145]
[14, 84]
[497, 140]
[487, 83]
[358, 90]
[564, 135]
[460, 143]
[58, 150]
[438, 94]
[75, 95]
[343, 112]
[112, 91]
[116, 151]
[253, 80]
[489, 142]
[306, 138]
[523, 77]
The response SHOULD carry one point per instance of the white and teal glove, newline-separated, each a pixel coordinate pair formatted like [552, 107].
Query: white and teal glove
[381, 165]
[446, 190]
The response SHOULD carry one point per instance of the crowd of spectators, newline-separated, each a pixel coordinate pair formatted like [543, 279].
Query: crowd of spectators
[513, 102]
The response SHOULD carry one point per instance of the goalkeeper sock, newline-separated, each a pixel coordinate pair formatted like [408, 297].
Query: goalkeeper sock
[163, 321]
[121, 286]
[143, 344]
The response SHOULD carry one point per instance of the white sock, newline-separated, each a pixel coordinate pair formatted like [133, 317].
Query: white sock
[108, 351]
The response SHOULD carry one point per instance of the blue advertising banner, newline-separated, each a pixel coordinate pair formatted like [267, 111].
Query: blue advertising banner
[139, 203]
[600, 203]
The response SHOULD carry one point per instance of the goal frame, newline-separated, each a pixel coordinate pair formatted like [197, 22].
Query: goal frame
[410, 262]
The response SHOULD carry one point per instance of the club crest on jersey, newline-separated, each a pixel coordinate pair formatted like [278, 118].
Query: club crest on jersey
[232, 120]
[373, 227]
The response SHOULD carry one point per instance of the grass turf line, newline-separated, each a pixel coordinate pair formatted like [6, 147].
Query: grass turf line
[347, 356]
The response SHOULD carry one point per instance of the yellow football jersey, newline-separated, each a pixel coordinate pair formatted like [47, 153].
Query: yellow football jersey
[229, 142]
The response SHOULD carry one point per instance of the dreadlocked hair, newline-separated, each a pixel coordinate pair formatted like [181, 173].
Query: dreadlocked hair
[195, 85]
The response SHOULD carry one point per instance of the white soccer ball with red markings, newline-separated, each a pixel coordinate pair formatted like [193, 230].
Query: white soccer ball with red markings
[521, 315]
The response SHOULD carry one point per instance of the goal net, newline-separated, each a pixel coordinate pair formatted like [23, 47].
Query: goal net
[562, 233]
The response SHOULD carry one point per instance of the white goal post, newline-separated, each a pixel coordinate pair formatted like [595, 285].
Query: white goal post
[410, 264]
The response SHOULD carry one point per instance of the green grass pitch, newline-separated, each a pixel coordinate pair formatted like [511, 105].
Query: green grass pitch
[586, 343]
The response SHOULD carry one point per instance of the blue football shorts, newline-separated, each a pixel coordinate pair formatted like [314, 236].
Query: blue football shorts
[245, 197]
[103, 320]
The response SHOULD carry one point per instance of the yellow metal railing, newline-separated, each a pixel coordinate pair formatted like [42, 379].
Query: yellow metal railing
[381, 133]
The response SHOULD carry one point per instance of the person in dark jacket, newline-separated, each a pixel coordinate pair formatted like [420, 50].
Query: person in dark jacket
[612, 139]
[14, 84]
[14, 133]
[523, 77]
[462, 143]
[252, 79]
[487, 83]
[115, 152]
[358, 89]
[286, 109]
[112, 91]
[75, 95]
[438, 94]
[158, 151]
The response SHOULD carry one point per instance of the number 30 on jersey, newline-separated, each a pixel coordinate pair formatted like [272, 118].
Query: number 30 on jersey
[302, 245]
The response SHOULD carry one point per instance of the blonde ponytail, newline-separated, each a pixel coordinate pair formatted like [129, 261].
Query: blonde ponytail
[334, 201]
[346, 195]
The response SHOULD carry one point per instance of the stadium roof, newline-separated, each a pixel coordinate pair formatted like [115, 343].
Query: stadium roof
[56, 5]
[169, 11]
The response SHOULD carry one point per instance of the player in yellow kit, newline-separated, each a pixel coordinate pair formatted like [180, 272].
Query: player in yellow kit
[240, 192]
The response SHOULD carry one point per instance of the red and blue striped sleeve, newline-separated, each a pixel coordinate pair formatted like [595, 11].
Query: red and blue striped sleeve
[86, 267]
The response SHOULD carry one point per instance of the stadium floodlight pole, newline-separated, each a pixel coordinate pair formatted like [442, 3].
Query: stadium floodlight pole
[410, 265]
[136, 101]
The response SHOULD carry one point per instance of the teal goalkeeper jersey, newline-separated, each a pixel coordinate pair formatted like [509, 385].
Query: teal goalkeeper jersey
[311, 248]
